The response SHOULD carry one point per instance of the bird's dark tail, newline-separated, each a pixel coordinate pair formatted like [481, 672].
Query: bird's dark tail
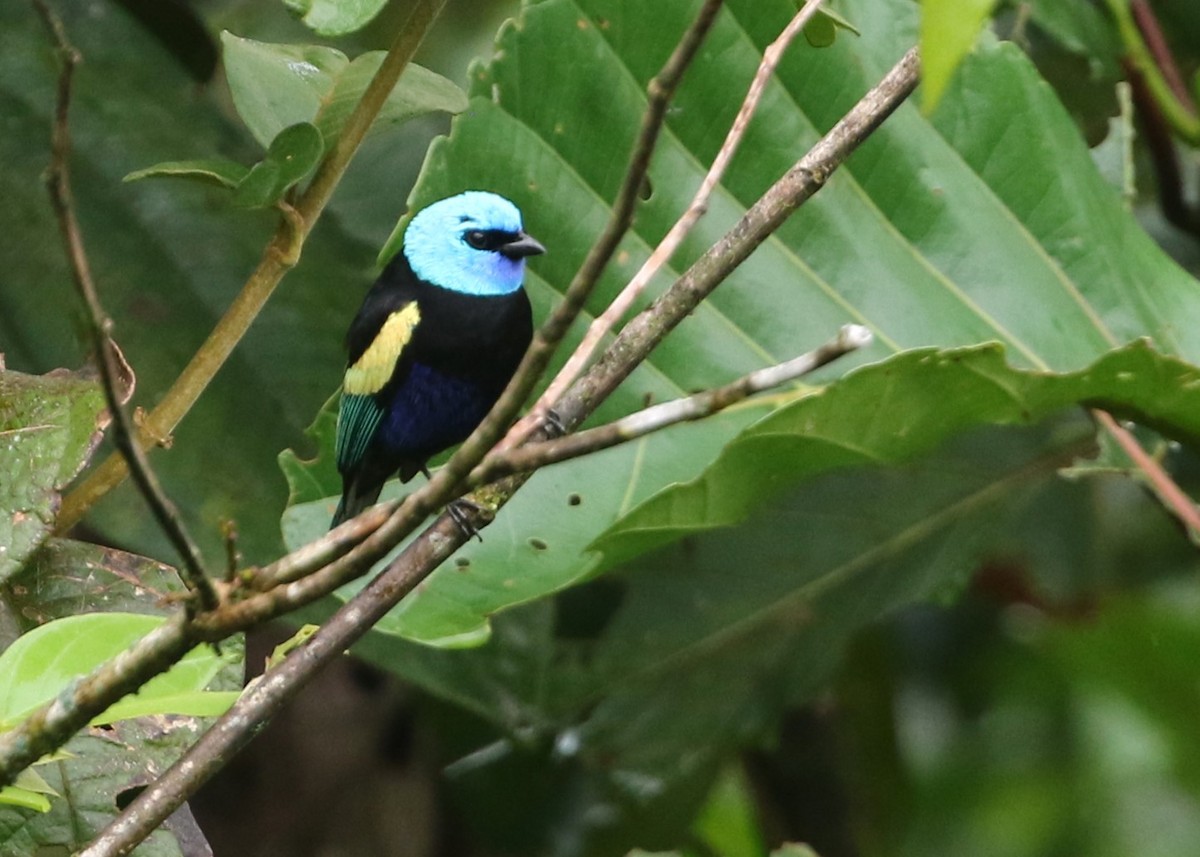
[354, 500]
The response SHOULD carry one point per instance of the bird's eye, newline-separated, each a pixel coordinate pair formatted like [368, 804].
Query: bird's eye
[477, 239]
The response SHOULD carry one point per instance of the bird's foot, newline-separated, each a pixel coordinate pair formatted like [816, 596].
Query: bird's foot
[460, 512]
[552, 424]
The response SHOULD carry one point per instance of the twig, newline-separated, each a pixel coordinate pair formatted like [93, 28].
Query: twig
[58, 183]
[279, 256]
[1169, 493]
[1172, 200]
[439, 541]
[666, 248]
[534, 456]
[1164, 59]
[1180, 115]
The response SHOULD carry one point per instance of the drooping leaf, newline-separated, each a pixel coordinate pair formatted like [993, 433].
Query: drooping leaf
[419, 92]
[916, 389]
[292, 155]
[212, 170]
[49, 426]
[275, 86]
[336, 17]
[948, 30]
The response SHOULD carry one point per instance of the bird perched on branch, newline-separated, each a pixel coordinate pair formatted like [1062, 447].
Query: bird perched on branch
[437, 339]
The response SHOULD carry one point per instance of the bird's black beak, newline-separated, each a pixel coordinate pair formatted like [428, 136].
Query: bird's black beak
[521, 246]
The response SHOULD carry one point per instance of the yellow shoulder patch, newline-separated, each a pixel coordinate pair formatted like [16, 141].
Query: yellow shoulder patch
[374, 368]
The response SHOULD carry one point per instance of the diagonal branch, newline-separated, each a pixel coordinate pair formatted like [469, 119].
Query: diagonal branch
[58, 183]
[533, 456]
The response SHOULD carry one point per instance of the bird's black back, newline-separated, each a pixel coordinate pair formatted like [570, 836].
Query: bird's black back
[477, 338]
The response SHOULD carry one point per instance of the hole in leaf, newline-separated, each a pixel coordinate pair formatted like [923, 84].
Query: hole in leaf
[574, 499]
[127, 796]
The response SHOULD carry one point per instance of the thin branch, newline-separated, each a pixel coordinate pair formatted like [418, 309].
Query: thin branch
[439, 541]
[1164, 59]
[666, 248]
[279, 256]
[1172, 200]
[534, 456]
[1169, 493]
[58, 183]
[1180, 115]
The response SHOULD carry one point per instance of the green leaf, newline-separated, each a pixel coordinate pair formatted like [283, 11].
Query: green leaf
[194, 703]
[49, 425]
[820, 31]
[216, 171]
[29, 791]
[314, 479]
[24, 798]
[839, 21]
[948, 30]
[101, 768]
[42, 662]
[539, 544]
[292, 155]
[728, 823]
[275, 86]
[927, 397]
[419, 93]
[336, 17]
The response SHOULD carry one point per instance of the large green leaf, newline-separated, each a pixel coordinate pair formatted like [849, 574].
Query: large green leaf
[952, 230]
[49, 426]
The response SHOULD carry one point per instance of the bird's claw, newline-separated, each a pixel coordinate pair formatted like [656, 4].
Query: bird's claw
[552, 424]
[459, 511]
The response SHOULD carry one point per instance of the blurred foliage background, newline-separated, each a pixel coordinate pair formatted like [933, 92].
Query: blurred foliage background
[1041, 699]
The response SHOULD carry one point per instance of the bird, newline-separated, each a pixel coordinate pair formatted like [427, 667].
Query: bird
[438, 337]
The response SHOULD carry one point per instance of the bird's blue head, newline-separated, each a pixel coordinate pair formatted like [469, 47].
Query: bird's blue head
[472, 243]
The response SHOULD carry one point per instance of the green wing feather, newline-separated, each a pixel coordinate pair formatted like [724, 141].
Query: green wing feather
[361, 412]
[358, 419]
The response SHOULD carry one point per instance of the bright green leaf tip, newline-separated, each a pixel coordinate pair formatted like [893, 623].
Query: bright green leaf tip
[948, 30]
[216, 171]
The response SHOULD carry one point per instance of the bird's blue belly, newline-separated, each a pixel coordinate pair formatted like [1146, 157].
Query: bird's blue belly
[431, 411]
